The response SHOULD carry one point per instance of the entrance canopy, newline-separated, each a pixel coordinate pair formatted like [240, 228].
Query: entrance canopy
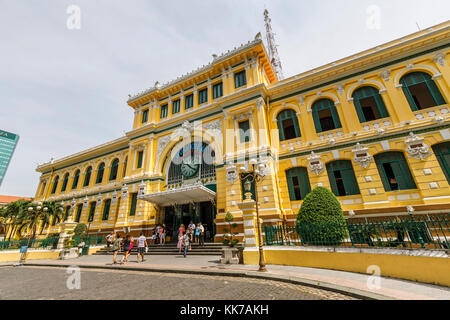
[184, 195]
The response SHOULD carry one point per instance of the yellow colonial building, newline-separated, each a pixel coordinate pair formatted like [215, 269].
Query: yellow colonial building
[372, 127]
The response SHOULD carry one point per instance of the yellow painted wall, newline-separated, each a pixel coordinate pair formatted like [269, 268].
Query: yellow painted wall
[31, 255]
[421, 269]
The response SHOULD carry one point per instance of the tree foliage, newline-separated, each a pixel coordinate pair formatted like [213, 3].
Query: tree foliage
[320, 220]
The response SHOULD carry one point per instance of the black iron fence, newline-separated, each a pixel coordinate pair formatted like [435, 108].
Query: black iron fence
[49, 243]
[421, 231]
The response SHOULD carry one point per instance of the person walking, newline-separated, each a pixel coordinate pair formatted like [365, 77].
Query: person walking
[158, 227]
[117, 244]
[127, 246]
[109, 239]
[186, 242]
[191, 229]
[162, 235]
[181, 230]
[180, 241]
[142, 244]
[201, 230]
[197, 234]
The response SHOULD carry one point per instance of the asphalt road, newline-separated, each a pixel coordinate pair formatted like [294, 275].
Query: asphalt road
[43, 283]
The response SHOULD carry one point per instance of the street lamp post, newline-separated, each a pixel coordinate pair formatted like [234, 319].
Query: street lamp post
[255, 175]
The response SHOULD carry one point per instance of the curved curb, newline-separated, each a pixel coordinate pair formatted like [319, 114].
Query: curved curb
[355, 293]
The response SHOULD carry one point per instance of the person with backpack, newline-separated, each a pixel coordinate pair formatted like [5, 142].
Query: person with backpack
[117, 244]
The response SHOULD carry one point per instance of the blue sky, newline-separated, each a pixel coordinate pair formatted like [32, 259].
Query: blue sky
[64, 90]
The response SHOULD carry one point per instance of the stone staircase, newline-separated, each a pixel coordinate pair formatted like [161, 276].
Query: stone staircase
[209, 249]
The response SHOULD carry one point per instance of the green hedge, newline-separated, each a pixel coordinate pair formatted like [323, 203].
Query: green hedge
[320, 220]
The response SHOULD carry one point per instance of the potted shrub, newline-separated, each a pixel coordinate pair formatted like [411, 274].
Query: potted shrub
[230, 255]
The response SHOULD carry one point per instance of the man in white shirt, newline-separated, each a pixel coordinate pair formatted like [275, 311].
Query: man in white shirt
[142, 244]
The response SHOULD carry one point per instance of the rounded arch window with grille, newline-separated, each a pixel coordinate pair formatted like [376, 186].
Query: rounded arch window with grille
[288, 127]
[325, 115]
[369, 104]
[421, 91]
[100, 172]
[193, 161]
[114, 170]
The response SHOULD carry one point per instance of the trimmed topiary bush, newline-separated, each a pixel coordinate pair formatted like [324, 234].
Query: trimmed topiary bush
[320, 220]
[80, 230]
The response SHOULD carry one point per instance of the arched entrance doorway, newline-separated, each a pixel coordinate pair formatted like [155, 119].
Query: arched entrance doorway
[190, 193]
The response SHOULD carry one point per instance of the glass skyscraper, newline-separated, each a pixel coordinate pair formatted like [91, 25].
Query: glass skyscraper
[8, 142]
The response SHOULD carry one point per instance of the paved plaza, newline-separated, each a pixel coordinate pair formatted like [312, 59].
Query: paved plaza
[44, 283]
[174, 271]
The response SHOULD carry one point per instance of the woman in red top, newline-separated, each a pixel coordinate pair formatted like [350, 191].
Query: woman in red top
[181, 230]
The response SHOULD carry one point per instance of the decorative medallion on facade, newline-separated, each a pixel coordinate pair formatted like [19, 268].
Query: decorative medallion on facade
[85, 202]
[141, 190]
[232, 174]
[362, 156]
[416, 148]
[124, 192]
[114, 197]
[315, 164]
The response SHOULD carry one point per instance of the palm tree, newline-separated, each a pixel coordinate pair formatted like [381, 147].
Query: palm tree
[13, 215]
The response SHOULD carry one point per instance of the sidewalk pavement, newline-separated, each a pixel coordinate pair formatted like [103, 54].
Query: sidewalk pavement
[344, 282]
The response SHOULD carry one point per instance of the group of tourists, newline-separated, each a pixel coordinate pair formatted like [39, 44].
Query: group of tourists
[126, 245]
[194, 233]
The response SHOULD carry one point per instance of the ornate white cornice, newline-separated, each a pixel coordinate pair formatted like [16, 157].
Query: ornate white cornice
[216, 59]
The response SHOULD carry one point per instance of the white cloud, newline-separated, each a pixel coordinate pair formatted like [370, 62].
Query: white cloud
[64, 91]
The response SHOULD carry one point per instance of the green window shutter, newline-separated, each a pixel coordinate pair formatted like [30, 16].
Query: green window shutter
[91, 212]
[345, 168]
[280, 129]
[335, 114]
[350, 182]
[434, 90]
[87, 177]
[114, 170]
[315, 115]
[106, 209]
[304, 185]
[400, 168]
[139, 161]
[203, 96]
[133, 204]
[359, 112]
[189, 101]
[164, 111]
[332, 179]
[55, 184]
[287, 115]
[66, 179]
[381, 106]
[101, 171]
[409, 97]
[176, 106]
[145, 116]
[240, 79]
[79, 210]
[442, 152]
[75, 180]
[217, 90]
